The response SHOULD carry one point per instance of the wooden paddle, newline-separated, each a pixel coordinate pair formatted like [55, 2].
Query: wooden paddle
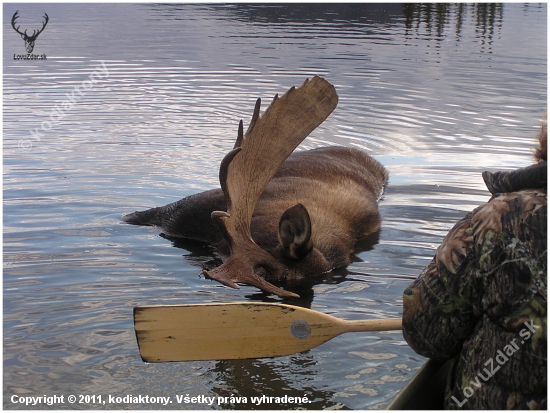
[238, 330]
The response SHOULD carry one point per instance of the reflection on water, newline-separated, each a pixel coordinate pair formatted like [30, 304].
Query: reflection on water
[436, 92]
[438, 18]
[252, 379]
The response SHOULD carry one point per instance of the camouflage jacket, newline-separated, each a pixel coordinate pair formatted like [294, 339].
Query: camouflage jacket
[482, 299]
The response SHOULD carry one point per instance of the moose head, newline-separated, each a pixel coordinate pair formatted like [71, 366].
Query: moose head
[29, 40]
[246, 170]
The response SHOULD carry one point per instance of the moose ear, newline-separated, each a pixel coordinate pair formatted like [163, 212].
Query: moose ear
[295, 232]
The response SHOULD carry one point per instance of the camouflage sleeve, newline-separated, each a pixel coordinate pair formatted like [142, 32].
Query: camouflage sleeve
[437, 307]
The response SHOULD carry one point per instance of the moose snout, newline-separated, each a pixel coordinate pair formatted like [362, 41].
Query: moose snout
[235, 270]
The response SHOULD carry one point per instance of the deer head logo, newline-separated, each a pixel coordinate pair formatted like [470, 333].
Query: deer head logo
[29, 40]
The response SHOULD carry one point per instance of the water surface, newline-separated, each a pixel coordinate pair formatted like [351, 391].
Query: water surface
[437, 93]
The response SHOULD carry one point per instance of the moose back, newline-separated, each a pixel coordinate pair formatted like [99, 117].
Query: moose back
[280, 218]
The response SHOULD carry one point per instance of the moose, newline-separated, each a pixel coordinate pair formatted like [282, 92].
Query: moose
[279, 220]
[29, 40]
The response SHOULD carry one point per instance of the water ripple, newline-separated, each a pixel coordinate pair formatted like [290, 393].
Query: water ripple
[436, 93]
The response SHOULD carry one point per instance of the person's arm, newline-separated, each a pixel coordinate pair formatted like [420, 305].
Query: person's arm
[438, 310]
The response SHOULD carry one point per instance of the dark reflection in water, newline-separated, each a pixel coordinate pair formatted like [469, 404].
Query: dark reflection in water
[316, 13]
[263, 382]
[205, 257]
[436, 18]
[436, 92]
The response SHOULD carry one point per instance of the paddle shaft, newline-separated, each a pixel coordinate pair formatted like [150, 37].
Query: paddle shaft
[356, 326]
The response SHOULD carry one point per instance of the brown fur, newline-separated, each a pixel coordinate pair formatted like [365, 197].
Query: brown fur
[285, 217]
[338, 186]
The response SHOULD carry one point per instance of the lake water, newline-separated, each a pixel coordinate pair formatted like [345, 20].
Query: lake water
[437, 93]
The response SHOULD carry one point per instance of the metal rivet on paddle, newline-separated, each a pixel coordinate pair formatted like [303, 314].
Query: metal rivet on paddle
[300, 329]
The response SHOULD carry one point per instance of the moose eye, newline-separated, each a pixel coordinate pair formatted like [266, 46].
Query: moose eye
[260, 271]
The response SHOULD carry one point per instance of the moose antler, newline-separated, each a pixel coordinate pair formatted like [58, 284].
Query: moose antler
[246, 170]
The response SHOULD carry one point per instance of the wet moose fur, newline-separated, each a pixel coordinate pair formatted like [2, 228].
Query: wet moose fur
[339, 188]
[281, 217]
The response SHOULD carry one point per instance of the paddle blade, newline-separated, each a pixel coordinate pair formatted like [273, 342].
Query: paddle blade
[230, 331]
